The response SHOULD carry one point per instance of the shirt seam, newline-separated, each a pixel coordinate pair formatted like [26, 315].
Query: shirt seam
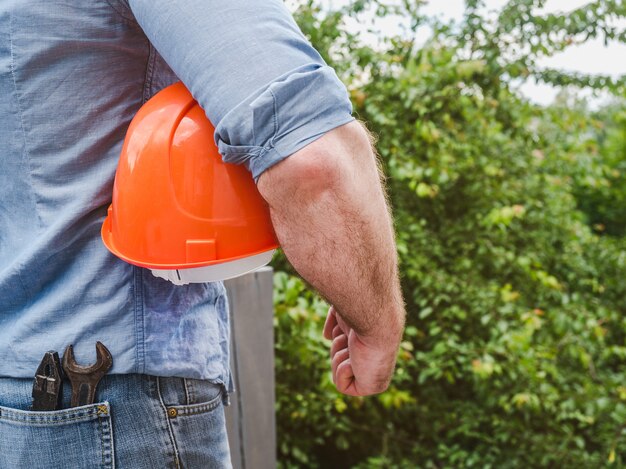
[275, 119]
[121, 9]
[25, 152]
[139, 320]
[147, 84]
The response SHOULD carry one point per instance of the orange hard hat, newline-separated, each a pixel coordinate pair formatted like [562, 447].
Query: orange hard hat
[177, 208]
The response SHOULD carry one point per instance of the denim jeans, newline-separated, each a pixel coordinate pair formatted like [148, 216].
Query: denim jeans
[139, 421]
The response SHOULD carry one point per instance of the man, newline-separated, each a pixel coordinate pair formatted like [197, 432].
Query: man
[72, 75]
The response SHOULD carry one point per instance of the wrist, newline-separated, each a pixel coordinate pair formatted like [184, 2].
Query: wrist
[387, 335]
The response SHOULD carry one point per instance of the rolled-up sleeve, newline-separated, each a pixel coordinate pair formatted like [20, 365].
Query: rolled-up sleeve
[264, 87]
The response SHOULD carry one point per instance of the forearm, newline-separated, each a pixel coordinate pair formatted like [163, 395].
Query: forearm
[332, 220]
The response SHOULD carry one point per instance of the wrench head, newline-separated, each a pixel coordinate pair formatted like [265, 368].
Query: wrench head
[103, 363]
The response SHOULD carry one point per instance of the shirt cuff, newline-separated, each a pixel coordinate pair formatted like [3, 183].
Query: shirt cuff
[283, 117]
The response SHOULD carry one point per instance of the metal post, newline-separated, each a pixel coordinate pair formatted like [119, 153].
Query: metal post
[250, 417]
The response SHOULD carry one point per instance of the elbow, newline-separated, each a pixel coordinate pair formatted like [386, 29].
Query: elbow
[330, 163]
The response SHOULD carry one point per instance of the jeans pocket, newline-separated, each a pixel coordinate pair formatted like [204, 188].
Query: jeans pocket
[79, 437]
[198, 425]
[185, 396]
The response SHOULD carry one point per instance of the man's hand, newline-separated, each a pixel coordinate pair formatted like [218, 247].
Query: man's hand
[359, 367]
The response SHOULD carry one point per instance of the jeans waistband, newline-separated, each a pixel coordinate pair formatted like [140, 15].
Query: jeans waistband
[17, 392]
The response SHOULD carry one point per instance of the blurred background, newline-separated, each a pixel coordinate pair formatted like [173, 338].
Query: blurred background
[501, 128]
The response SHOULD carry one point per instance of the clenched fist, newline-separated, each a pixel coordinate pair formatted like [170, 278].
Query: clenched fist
[361, 366]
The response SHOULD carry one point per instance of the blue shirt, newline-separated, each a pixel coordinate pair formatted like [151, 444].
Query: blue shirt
[72, 75]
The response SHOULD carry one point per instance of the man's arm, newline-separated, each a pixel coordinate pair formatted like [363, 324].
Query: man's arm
[331, 217]
[264, 87]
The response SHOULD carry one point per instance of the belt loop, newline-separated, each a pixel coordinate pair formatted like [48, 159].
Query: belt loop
[172, 390]
[188, 393]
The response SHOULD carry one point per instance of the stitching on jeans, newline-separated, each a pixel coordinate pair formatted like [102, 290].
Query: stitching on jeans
[110, 445]
[187, 401]
[101, 441]
[46, 415]
[48, 422]
[200, 408]
[57, 419]
[168, 423]
[192, 392]
[107, 438]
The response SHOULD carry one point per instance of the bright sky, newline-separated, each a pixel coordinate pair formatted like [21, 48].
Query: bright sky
[592, 57]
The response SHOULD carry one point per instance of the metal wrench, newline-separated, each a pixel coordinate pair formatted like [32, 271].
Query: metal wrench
[85, 379]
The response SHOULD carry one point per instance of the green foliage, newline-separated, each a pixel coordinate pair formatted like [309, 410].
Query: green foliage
[601, 188]
[510, 222]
